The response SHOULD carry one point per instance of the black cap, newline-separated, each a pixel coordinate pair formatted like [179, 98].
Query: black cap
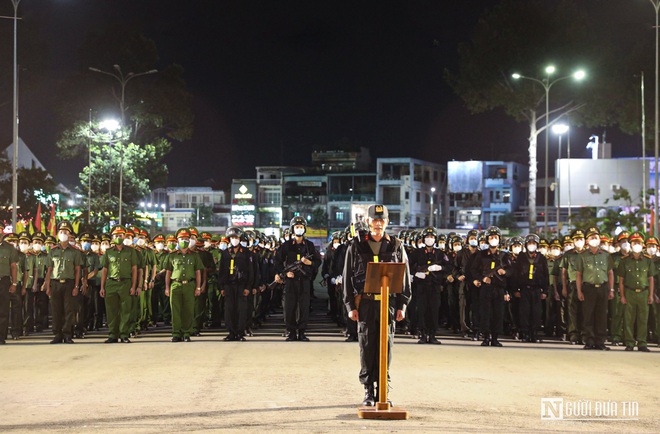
[377, 212]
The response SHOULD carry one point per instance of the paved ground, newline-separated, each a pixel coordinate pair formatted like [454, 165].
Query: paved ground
[153, 385]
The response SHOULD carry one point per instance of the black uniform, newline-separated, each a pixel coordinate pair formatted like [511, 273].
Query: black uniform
[530, 271]
[235, 276]
[358, 255]
[491, 296]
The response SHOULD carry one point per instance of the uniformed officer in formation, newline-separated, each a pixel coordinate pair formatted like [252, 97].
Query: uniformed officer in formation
[376, 246]
[118, 284]
[183, 283]
[297, 284]
[8, 281]
[636, 273]
[572, 250]
[595, 286]
[63, 284]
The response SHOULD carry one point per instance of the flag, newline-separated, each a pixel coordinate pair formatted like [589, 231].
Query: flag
[20, 227]
[76, 226]
[37, 219]
[31, 230]
[51, 223]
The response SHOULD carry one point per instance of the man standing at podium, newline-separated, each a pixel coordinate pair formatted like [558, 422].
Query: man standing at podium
[376, 246]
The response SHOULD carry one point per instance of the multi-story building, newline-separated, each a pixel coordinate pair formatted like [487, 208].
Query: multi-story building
[176, 205]
[413, 190]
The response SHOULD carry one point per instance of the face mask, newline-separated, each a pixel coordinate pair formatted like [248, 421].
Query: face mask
[299, 232]
[95, 248]
[458, 248]
[555, 252]
[118, 240]
[184, 244]
[335, 245]
[625, 246]
[37, 247]
[531, 248]
[235, 242]
[594, 243]
[207, 244]
[128, 242]
[473, 243]
[543, 251]
[222, 246]
[141, 242]
[516, 250]
[568, 248]
[287, 238]
[24, 247]
[171, 246]
[62, 237]
[160, 246]
[86, 245]
[420, 245]
[430, 241]
[612, 249]
[483, 246]
[578, 244]
[652, 250]
[243, 243]
[104, 247]
[193, 242]
[494, 242]
[637, 248]
[442, 246]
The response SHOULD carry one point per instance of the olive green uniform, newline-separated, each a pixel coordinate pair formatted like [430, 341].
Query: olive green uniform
[615, 306]
[8, 274]
[183, 272]
[200, 301]
[146, 311]
[41, 299]
[594, 269]
[634, 273]
[64, 277]
[29, 298]
[119, 275]
[135, 299]
[573, 303]
[160, 303]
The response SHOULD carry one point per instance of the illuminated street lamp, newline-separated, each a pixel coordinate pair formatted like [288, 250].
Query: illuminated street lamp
[547, 85]
[656, 6]
[431, 215]
[112, 125]
[559, 130]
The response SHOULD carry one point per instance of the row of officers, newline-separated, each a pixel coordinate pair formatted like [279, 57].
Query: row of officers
[187, 281]
[586, 289]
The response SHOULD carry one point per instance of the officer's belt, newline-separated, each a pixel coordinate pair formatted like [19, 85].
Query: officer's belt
[636, 289]
[183, 282]
[595, 285]
[370, 296]
[64, 280]
[119, 279]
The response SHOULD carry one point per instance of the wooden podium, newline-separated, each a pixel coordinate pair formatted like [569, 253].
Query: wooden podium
[383, 278]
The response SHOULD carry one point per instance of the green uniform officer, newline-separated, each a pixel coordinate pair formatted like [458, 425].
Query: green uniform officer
[201, 311]
[636, 281]
[569, 286]
[615, 306]
[62, 284]
[149, 263]
[595, 286]
[118, 282]
[652, 252]
[8, 279]
[183, 281]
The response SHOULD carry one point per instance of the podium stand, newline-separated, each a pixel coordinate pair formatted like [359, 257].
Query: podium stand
[383, 278]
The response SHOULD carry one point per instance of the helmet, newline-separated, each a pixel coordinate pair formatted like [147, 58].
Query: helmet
[513, 241]
[429, 232]
[297, 220]
[493, 230]
[532, 238]
[233, 232]
[456, 240]
[473, 233]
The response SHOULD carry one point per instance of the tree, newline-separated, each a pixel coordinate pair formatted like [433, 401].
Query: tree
[524, 37]
[31, 184]
[630, 217]
[155, 110]
[202, 216]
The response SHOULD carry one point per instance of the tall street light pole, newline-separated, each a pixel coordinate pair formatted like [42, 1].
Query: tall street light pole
[559, 130]
[656, 6]
[547, 85]
[431, 219]
[14, 166]
[123, 80]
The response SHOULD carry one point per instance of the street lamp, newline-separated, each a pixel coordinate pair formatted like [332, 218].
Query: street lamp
[656, 6]
[547, 85]
[431, 215]
[559, 130]
[14, 166]
[112, 125]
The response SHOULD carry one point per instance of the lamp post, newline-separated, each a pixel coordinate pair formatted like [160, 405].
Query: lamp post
[547, 85]
[14, 166]
[656, 6]
[112, 125]
[431, 222]
[123, 80]
[559, 130]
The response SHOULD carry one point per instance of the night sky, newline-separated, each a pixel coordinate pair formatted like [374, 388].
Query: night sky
[272, 79]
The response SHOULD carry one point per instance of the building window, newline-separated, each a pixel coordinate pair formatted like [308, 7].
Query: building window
[339, 216]
[407, 195]
[418, 198]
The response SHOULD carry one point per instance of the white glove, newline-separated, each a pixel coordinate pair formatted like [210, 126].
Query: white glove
[339, 280]
[435, 267]
[333, 281]
[420, 275]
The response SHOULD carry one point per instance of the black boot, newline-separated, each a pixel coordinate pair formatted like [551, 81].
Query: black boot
[422, 339]
[369, 399]
[494, 342]
[433, 340]
[486, 342]
[302, 337]
[292, 336]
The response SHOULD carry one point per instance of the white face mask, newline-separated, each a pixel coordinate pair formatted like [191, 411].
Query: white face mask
[235, 241]
[637, 248]
[458, 248]
[578, 244]
[594, 243]
[207, 244]
[612, 249]
[222, 246]
[531, 247]
[335, 245]
[104, 247]
[24, 247]
[494, 242]
[652, 250]
[420, 245]
[141, 242]
[568, 248]
[160, 246]
[625, 246]
[442, 246]
[36, 247]
[243, 243]
[483, 246]
[555, 252]
[193, 242]
[95, 248]
[128, 242]
[543, 251]
[516, 250]
[429, 241]
[473, 242]
[299, 232]
[63, 237]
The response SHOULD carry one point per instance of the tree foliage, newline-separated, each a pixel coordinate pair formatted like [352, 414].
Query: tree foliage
[29, 182]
